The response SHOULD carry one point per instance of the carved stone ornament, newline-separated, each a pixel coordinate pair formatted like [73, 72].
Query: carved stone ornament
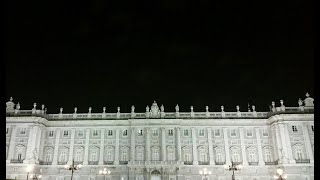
[308, 102]
[10, 105]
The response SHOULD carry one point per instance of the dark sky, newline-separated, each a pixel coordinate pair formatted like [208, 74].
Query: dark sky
[118, 53]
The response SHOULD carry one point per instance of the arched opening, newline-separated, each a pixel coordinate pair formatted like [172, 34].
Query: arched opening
[155, 175]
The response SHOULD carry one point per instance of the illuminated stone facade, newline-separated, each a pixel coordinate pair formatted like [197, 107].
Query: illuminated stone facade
[161, 145]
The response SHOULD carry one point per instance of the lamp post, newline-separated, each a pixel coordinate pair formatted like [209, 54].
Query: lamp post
[204, 173]
[72, 167]
[29, 169]
[280, 175]
[104, 172]
[232, 168]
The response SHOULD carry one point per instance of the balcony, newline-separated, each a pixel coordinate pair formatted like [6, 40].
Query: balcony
[237, 163]
[78, 162]
[62, 163]
[16, 161]
[271, 163]
[108, 162]
[220, 163]
[45, 163]
[188, 163]
[93, 162]
[253, 163]
[123, 162]
[203, 163]
[299, 161]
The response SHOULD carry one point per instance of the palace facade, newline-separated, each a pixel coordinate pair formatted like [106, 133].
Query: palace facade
[161, 145]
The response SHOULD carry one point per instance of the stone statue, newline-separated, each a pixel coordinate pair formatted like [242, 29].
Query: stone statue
[300, 103]
[147, 109]
[61, 110]
[154, 110]
[207, 108]
[75, 110]
[118, 109]
[191, 108]
[90, 109]
[35, 155]
[10, 105]
[308, 102]
[162, 108]
[238, 108]
[132, 108]
[104, 109]
[18, 106]
[34, 105]
[42, 107]
[222, 108]
[177, 108]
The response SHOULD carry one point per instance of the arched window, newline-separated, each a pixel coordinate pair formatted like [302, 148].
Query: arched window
[124, 154]
[155, 154]
[171, 153]
[140, 153]
[219, 155]
[109, 154]
[20, 152]
[252, 156]
[63, 156]
[78, 154]
[235, 153]
[94, 155]
[48, 154]
[186, 154]
[299, 155]
[268, 157]
[203, 154]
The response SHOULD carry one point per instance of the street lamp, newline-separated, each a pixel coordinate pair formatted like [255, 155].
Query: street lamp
[72, 167]
[232, 168]
[204, 173]
[29, 169]
[104, 172]
[281, 175]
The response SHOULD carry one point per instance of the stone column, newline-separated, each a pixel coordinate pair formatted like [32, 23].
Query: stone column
[71, 146]
[86, 148]
[116, 152]
[163, 144]
[308, 143]
[101, 147]
[274, 141]
[133, 144]
[282, 144]
[211, 158]
[260, 154]
[287, 138]
[194, 147]
[12, 144]
[41, 143]
[243, 148]
[56, 148]
[178, 143]
[226, 145]
[148, 144]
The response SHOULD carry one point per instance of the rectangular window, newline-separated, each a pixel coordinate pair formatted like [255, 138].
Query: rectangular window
[95, 133]
[155, 132]
[233, 132]
[294, 129]
[140, 132]
[186, 132]
[110, 132]
[217, 132]
[312, 129]
[170, 132]
[125, 133]
[201, 132]
[249, 132]
[65, 133]
[80, 133]
[23, 131]
[7, 131]
[50, 133]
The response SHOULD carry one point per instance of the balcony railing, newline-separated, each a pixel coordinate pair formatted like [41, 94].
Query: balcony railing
[62, 163]
[16, 161]
[271, 163]
[188, 163]
[108, 162]
[93, 162]
[123, 162]
[220, 163]
[78, 162]
[253, 163]
[302, 161]
[237, 163]
[45, 163]
[203, 163]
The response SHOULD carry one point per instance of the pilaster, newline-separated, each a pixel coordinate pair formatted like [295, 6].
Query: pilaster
[163, 143]
[56, 148]
[194, 146]
[101, 147]
[261, 160]
[211, 158]
[226, 145]
[243, 148]
[116, 153]
[12, 144]
[133, 146]
[71, 146]
[178, 143]
[86, 147]
[148, 154]
[307, 143]
[287, 138]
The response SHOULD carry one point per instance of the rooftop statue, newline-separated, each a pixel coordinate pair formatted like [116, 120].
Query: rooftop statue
[10, 105]
[308, 102]
[154, 112]
[177, 108]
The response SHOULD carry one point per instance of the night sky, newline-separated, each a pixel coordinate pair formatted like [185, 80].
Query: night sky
[120, 53]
